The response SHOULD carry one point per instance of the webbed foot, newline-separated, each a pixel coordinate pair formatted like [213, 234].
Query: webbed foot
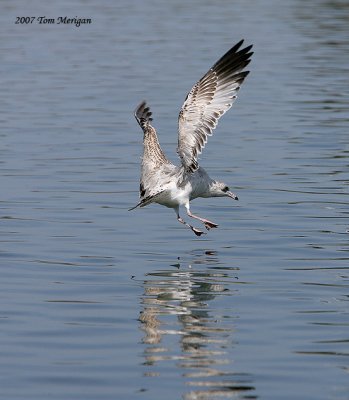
[209, 225]
[197, 231]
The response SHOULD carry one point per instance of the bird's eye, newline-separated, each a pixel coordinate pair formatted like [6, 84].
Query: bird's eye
[225, 189]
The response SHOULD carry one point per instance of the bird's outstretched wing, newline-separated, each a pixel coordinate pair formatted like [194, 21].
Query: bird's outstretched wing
[155, 166]
[207, 101]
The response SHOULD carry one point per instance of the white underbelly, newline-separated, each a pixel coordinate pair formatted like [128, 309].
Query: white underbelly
[174, 196]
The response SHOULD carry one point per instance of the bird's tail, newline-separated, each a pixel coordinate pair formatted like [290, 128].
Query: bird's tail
[143, 115]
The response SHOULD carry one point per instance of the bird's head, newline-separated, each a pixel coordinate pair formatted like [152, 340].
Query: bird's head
[220, 189]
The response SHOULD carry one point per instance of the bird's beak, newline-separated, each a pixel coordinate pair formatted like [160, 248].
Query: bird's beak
[232, 195]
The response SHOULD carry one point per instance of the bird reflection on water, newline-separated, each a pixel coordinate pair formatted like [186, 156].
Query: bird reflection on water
[181, 323]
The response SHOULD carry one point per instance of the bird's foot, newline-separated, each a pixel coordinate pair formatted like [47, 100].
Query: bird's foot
[197, 231]
[209, 225]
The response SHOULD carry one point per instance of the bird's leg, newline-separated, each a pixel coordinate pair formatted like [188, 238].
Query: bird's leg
[208, 224]
[181, 220]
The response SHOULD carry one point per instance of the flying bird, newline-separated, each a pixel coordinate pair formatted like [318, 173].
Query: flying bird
[173, 186]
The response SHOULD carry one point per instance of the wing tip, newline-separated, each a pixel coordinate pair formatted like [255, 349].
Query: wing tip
[244, 53]
[234, 60]
[143, 114]
[134, 207]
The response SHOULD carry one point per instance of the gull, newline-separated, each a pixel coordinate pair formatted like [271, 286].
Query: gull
[173, 186]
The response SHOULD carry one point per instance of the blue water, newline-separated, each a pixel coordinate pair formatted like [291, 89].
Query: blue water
[100, 303]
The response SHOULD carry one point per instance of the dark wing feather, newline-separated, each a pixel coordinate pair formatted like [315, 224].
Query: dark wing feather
[147, 200]
[207, 101]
